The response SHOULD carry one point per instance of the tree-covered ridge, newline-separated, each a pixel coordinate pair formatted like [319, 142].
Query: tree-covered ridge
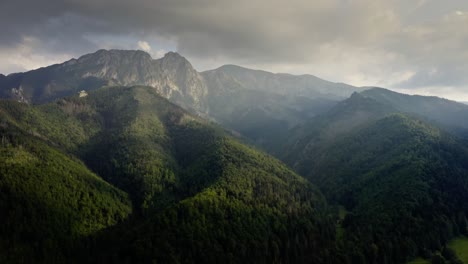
[365, 154]
[314, 136]
[405, 185]
[50, 202]
[198, 194]
[255, 210]
[212, 181]
[114, 131]
[450, 114]
[378, 141]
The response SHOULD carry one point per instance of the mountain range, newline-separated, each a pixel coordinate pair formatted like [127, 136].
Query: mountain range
[401, 179]
[180, 175]
[156, 162]
[230, 95]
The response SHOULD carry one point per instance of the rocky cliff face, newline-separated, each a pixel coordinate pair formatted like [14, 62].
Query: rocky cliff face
[172, 76]
[176, 78]
[221, 93]
[259, 105]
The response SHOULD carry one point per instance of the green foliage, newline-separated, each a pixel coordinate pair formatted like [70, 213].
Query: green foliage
[314, 136]
[441, 111]
[198, 195]
[404, 183]
[419, 261]
[460, 247]
[255, 210]
[50, 202]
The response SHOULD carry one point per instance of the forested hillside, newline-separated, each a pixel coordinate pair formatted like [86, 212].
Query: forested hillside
[122, 174]
[450, 114]
[50, 203]
[251, 102]
[192, 186]
[402, 181]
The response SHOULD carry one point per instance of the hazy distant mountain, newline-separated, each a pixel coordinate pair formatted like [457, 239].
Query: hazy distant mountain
[233, 89]
[363, 108]
[251, 102]
[263, 106]
[313, 135]
[438, 110]
[232, 77]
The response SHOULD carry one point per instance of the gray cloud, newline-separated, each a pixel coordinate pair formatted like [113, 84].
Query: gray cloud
[399, 43]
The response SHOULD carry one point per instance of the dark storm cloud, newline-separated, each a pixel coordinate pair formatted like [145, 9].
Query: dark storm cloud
[237, 28]
[392, 43]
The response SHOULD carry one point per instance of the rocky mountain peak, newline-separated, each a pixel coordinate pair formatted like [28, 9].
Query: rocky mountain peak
[109, 57]
[173, 55]
[173, 60]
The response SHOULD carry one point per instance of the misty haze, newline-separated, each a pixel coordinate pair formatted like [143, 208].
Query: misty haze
[205, 131]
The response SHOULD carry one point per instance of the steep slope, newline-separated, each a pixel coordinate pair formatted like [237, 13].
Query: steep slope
[192, 186]
[172, 76]
[229, 76]
[263, 106]
[317, 133]
[254, 210]
[364, 107]
[441, 111]
[252, 103]
[405, 184]
[387, 169]
[50, 202]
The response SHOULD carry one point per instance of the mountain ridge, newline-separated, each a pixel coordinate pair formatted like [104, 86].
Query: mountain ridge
[278, 101]
[277, 82]
[386, 167]
[384, 157]
[172, 75]
[439, 110]
[191, 185]
[132, 60]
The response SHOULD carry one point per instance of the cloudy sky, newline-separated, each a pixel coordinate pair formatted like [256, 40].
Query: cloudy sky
[414, 46]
